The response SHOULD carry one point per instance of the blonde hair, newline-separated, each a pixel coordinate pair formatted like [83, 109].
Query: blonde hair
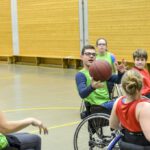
[131, 82]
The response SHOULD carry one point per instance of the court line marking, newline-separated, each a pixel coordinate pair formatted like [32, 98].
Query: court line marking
[41, 108]
[47, 108]
[6, 77]
[58, 126]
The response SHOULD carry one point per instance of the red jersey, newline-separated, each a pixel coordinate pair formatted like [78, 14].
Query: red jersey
[146, 80]
[126, 114]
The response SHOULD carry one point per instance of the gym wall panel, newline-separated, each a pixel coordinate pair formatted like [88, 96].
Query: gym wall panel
[49, 28]
[5, 28]
[125, 24]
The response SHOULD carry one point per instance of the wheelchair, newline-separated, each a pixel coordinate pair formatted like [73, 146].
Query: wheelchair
[93, 132]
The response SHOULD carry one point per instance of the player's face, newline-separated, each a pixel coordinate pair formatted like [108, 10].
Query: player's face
[140, 62]
[102, 46]
[88, 57]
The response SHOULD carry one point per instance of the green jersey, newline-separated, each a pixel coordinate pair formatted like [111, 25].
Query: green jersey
[109, 58]
[98, 96]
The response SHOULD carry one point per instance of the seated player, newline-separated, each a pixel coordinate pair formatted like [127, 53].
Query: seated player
[104, 54]
[94, 92]
[140, 57]
[31, 141]
[132, 112]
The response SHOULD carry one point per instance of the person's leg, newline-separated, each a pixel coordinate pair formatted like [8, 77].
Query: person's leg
[99, 109]
[24, 141]
[109, 105]
[31, 142]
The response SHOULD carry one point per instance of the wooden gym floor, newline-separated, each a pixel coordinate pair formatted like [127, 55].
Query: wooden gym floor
[46, 93]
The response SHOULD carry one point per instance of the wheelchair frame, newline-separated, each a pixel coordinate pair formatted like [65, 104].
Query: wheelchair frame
[98, 134]
[102, 140]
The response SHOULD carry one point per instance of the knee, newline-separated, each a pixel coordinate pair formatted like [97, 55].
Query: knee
[37, 139]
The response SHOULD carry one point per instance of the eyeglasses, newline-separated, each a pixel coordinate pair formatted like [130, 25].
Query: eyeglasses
[99, 44]
[90, 54]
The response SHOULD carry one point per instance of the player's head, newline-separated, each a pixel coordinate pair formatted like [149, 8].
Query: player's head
[132, 83]
[101, 45]
[88, 55]
[140, 57]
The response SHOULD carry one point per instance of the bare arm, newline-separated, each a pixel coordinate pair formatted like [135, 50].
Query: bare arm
[143, 116]
[114, 121]
[14, 126]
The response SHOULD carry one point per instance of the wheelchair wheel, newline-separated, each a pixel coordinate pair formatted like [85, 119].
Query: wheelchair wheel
[93, 133]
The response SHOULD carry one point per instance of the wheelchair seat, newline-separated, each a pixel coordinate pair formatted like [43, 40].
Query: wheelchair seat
[91, 109]
[129, 146]
[99, 109]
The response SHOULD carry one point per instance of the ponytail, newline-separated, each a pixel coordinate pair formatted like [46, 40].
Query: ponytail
[132, 82]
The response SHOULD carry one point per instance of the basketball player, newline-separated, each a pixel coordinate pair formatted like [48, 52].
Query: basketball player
[103, 53]
[94, 92]
[140, 57]
[131, 112]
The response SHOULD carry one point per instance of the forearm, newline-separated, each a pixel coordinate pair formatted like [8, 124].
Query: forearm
[14, 126]
[114, 125]
[85, 92]
[116, 78]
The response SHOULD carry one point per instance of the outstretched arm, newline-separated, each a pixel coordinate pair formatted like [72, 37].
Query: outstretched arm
[116, 78]
[14, 126]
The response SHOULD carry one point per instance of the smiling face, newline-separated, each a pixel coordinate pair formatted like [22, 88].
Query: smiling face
[140, 57]
[88, 57]
[140, 62]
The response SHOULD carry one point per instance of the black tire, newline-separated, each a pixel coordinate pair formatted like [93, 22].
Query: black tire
[93, 133]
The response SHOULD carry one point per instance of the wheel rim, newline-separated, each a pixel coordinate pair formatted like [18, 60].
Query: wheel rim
[92, 139]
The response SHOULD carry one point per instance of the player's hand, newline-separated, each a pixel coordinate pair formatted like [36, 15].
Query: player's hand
[39, 124]
[122, 67]
[96, 84]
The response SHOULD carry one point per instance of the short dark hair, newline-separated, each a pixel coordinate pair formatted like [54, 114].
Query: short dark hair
[101, 39]
[140, 53]
[87, 47]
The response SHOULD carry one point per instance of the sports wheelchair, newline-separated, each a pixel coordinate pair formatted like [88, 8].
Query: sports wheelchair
[93, 132]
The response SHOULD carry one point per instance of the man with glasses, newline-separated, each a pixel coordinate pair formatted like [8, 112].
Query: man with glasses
[94, 92]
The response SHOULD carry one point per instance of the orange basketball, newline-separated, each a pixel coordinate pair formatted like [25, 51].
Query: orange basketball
[100, 70]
